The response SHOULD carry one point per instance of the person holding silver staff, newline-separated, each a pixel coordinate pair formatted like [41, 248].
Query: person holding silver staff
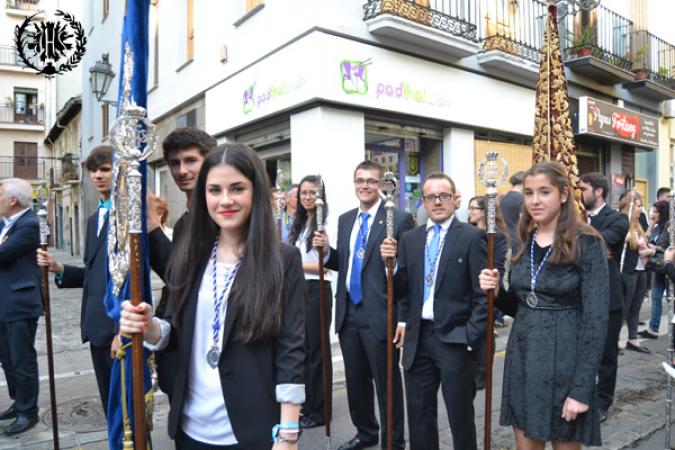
[361, 308]
[235, 315]
[301, 234]
[442, 314]
[558, 296]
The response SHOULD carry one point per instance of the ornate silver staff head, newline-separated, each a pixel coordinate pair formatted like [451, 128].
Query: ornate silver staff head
[388, 192]
[133, 137]
[318, 205]
[279, 190]
[42, 199]
[492, 171]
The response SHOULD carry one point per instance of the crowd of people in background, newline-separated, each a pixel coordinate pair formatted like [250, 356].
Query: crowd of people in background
[237, 327]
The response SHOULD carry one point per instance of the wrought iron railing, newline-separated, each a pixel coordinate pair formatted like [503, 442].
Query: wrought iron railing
[30, 5]
[65, 168]
[30, 115]
[653, 58]
[455, 17]
[515, 28]
[8, 55]
[28, 168]
[601, 33]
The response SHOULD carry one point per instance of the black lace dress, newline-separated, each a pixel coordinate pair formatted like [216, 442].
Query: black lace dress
[554, 349]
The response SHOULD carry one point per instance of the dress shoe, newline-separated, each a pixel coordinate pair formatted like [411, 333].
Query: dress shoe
[603, 416]
[357, 443]
[648, 334]
[308, 422]
[636, 348]
[9, 414]
[21, 424]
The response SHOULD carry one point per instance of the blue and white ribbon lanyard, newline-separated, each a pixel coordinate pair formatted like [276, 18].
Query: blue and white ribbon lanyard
[532, 299]
[429, 277]
[213, 355]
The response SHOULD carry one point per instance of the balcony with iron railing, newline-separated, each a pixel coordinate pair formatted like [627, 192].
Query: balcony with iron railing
[597, 44]
[511, 34]
[24, 115]
[65, 169]
[8, 56]
[446, 26]
[27, 168]
[653, 62]
[26, 5]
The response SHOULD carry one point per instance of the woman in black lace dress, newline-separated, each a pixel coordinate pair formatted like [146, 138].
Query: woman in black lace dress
[558, 294]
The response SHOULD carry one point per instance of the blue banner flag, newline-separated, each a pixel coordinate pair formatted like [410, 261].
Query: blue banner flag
[120, 400]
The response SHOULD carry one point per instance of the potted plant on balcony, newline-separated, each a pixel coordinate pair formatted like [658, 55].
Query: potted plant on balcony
[639, 63]
[583, 43]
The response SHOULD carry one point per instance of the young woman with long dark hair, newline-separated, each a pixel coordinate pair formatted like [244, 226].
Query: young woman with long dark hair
[301, 234]
[558, 295]
[236, 315]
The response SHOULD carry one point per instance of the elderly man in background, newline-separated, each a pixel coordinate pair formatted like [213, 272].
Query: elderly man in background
[21, 304]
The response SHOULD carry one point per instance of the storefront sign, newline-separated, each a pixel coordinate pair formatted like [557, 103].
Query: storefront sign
[618, 124]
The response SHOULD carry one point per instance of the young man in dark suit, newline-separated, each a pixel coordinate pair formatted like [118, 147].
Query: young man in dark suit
[96, 326]
[613, 226]
[361, 307]
[442, 316]
[20, 304]
[184, 151]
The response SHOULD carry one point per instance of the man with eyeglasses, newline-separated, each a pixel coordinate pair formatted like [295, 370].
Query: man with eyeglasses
[442, 316]
[361, 308]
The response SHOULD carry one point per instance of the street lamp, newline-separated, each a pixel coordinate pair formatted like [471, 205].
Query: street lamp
[100, 77]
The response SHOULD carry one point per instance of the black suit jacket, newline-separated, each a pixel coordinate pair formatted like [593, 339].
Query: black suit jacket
[613, 226]
[95, 324]
[373, 272]
[460, 305]
[20, 276]
[160, 254]
[249, 373]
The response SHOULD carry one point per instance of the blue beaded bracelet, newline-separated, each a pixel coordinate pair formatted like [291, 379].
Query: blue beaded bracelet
[284, 426]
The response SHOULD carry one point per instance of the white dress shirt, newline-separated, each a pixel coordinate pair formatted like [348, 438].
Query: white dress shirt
[428, 305]
[311, 256]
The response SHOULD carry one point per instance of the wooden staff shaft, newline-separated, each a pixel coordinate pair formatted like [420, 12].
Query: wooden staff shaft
[390, 353]
[279, 235]
[50, 352]
[489, 344]
[325, 351]
[137, 356]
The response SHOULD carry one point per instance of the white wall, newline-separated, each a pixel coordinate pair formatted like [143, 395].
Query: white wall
[330, 142]
[458, 158]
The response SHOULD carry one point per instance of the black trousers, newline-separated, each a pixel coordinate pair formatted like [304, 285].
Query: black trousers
[452, 367]
[19, 362]
[610, 361]
[185, 442]
[635, 286]
[314, 398]
[365, 359]
[100, 358]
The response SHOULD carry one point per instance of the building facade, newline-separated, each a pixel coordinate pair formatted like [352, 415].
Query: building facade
[418, 85]
[22, 103]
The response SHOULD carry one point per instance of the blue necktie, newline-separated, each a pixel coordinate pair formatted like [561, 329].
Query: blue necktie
[430, 256]
[355, 293]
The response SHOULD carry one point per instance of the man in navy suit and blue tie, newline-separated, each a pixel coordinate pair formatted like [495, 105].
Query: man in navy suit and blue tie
[96, 327]
[361, 308]
[20, 304]
[442, 316]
